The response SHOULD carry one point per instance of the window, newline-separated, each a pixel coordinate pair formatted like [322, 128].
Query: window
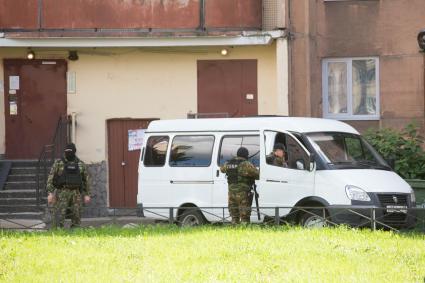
[294, 155]
[156, 149]
[346, 151]
[191, 151]
[351, 88]
[231, 144]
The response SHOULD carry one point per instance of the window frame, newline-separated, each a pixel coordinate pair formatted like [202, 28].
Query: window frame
[237, 136]
[145, 151]
[325, 89]
[171, 149]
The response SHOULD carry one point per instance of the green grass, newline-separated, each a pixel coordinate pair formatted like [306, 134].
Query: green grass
[212, 254]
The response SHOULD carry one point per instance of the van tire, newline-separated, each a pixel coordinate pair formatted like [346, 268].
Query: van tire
[191, 217]
[313, 219]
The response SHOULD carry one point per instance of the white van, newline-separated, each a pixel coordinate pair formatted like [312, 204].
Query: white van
[329, 166]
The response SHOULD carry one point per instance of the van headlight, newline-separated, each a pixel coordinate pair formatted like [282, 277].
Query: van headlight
[355, 193]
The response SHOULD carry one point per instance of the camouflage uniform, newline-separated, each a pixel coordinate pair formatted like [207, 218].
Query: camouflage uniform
[68, 199]
[240, 195]
[276, 160]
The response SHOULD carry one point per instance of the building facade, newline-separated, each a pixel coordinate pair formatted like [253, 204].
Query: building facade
[113, 66]
[357, 61]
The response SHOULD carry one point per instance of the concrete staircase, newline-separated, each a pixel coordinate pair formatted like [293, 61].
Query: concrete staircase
[18, 199]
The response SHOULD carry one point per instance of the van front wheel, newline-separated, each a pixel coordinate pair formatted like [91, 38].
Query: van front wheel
[191, 217]
[313, 219]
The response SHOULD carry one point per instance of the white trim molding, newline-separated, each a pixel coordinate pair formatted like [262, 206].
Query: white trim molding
[347, 113]
[239, 40]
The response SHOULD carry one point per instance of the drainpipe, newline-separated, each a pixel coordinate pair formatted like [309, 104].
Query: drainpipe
[421, 43]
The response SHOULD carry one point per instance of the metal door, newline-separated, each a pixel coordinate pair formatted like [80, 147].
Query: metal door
[227, 88]
[35, 98]
[123, 163]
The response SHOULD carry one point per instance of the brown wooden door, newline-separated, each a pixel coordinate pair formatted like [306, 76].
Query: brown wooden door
[33, 105]
[123, 164]
[227, 86]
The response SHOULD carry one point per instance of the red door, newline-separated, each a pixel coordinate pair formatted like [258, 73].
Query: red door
[35, 98]
[227, 88]
[123, 163]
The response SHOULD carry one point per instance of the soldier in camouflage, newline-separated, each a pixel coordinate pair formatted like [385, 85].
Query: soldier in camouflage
[66, 185]
[241, 175]
[277, 157]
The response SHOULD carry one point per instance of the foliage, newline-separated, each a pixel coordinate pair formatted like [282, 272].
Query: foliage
[212, 254]
[404, 146]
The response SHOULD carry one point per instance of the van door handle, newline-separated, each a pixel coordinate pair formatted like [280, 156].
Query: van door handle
[218, 173]
[277, 181]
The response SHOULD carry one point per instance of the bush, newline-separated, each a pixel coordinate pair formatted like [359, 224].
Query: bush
[404, 146]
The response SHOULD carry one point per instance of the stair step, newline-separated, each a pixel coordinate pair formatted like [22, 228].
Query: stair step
[19, 201]
[22, 215]
[24, 163]
[21, 177]
[27, 170]
[20, 208]
[24, 185]
[18, 193]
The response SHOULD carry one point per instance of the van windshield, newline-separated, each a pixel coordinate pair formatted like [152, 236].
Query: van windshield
[346, 151]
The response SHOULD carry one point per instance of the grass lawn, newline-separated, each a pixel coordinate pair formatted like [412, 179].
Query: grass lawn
[212, 254]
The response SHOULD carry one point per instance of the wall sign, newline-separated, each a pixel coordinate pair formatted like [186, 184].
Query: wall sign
[135, 139]
[71, 82]
[14, 82]
[13, 108]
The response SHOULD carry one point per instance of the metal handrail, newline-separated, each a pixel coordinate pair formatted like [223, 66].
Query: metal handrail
[48, 155]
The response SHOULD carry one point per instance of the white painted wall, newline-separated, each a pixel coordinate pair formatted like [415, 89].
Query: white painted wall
[148, 83]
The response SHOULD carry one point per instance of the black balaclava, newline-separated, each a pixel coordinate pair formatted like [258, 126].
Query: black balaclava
[70, 151]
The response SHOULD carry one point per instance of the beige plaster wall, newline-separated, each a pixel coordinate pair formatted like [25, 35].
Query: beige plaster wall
[149, 84]
[144, 83]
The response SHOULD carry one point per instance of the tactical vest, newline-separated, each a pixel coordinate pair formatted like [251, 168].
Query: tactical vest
[233, 171]
[71, 175]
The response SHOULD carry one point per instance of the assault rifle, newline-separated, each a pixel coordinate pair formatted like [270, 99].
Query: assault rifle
[256, 196]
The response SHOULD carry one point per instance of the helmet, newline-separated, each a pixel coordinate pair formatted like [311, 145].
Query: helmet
[279, 146]
[242, 152]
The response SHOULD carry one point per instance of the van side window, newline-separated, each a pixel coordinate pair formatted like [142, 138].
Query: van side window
[231, 144]
[296, 154]
[156, 149]
[284, 151]
[191, 151]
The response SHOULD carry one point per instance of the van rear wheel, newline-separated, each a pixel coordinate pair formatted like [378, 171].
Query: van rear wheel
[191, 217]
[313, 219]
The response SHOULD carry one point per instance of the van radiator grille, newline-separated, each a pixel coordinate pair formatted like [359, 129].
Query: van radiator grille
[394, 200]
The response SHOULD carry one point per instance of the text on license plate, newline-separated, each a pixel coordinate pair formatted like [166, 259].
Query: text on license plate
[396, 208]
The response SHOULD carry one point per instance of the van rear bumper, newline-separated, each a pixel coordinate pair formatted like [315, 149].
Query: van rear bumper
[365, 216]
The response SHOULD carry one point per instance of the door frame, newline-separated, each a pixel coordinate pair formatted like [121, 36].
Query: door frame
[108, 167]
[19, 62]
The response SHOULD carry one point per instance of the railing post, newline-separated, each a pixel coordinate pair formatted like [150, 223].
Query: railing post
[171, 216]
[276, 216]
[373, 221]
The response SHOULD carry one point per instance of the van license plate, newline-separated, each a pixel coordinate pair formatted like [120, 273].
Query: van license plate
[396, 208]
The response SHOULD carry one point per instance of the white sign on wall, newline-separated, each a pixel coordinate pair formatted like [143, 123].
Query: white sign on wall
[135, 139]
[14, 82]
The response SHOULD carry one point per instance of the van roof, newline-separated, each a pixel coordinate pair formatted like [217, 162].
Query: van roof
[294, 124]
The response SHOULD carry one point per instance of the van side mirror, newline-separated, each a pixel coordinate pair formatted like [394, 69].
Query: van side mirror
[312, 161]
[300, 164]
